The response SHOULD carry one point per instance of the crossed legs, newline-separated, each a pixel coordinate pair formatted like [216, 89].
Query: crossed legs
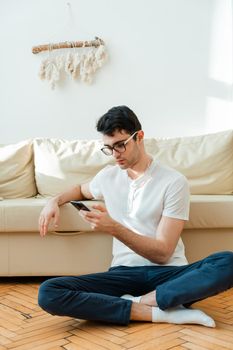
[97, 296]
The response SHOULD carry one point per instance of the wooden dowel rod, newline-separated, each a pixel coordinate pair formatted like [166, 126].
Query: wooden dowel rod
[68, 44]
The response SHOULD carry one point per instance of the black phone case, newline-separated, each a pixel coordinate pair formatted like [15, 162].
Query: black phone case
[79, 205]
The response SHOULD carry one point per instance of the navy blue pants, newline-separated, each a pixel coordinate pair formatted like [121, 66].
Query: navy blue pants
[96, 296]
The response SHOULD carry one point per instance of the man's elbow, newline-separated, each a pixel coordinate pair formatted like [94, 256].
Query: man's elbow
[163, 258]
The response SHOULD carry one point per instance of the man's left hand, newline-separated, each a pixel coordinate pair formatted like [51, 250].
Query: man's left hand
[99, 219]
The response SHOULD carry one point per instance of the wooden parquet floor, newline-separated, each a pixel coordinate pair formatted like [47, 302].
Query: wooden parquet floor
[24, 326]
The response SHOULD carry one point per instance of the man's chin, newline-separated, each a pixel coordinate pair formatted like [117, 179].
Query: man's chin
[123, 167]
[122, 164]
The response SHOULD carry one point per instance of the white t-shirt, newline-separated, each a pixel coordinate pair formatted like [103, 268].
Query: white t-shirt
[139, 205]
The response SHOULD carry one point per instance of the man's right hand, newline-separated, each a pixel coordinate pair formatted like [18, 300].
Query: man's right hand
[50, 212]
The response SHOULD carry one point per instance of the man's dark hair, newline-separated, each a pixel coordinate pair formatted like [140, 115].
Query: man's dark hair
[117, 119]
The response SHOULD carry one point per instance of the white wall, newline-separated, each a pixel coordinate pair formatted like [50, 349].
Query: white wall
[169, 60]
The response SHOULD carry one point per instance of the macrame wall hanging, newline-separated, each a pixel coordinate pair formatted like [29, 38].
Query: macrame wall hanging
[82, 60]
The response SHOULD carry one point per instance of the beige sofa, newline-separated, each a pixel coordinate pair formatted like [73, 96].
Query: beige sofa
[33, 170]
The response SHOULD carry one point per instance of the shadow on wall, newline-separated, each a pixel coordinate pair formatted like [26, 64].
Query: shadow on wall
[196, 75]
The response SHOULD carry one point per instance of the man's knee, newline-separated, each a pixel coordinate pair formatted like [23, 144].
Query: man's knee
[228, 258]
[225, 258]
[47, 296]
[224, 261]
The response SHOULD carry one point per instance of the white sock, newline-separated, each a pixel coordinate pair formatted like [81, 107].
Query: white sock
[181, 315]
[131, 297]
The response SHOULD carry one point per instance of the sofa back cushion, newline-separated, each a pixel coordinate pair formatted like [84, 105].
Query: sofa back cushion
[60, 164]
[206, 160]
[17, 178]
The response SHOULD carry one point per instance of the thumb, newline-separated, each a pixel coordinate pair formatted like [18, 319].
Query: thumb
[100, 208]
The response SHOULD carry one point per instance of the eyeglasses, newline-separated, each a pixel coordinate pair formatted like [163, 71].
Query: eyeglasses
[118, 147]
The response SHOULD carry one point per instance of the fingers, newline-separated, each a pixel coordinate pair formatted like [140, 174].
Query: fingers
[47, 214]
[99, 207]
[89, 214]
[94, 224]
[41, 223]
[56, 219]
[43, 226]
[91, 218]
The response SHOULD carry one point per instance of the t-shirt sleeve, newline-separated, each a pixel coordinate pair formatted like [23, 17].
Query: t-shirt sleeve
[96, 184]
[177, 197]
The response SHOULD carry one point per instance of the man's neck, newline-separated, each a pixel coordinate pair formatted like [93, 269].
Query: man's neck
[140, 168]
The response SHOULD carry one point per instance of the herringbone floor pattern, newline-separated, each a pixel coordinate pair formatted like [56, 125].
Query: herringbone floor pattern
[24, 326]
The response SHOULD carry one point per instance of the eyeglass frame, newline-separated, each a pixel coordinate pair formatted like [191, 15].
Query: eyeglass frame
[123, 143]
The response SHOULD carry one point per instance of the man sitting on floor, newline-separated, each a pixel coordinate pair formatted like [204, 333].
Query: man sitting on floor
[147, 204]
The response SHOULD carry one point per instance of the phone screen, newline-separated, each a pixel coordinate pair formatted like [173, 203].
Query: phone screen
[79, 205]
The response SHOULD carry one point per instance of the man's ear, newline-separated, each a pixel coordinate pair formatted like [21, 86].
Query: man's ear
[140, 135]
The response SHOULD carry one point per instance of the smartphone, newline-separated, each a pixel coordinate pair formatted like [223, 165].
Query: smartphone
[79, 205]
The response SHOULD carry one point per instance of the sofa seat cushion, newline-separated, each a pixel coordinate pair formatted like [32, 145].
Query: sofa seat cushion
[21, 215]
[210, 211]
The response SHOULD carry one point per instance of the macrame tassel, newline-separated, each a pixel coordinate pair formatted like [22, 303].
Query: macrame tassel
[73, 64]
[69, 67]
[101, 55]
[76, 65]
[50, 72]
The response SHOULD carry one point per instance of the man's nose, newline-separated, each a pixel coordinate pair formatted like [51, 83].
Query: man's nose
[115, 153]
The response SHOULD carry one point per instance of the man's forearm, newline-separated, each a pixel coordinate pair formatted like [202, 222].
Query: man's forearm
[158, 248]
[73, 194]
[150, 248]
